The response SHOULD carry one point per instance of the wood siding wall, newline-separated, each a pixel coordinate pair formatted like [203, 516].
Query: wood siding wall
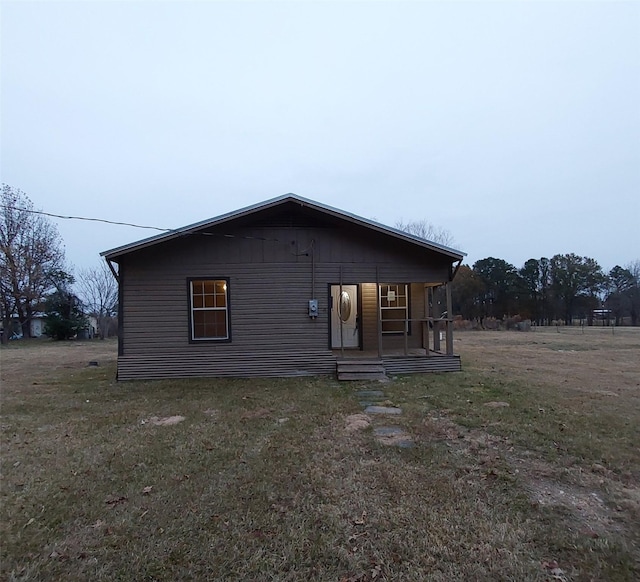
[270, 282]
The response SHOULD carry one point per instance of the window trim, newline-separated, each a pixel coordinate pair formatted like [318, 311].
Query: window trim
[407, 309]
[220, 340]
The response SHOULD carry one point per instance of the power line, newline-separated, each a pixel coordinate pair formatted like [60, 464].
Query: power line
[88, 219]
[137, 225]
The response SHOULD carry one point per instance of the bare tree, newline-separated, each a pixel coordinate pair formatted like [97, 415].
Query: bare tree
[31, 259]
[634, 292]
[427, 230]
[99, 292]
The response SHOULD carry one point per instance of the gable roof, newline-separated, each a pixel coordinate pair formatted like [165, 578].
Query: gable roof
[273, 203]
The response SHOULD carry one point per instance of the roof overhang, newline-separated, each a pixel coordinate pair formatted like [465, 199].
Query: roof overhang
[114, 254]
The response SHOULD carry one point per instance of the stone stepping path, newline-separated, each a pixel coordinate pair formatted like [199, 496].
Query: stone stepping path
[374, 403]
[382, 410]
[370, 397]
[393, 436]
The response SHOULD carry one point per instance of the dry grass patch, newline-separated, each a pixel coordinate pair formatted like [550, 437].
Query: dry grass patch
[263, 479]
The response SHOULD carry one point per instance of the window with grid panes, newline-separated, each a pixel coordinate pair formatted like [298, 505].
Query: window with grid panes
[209, 309]
[394, 307]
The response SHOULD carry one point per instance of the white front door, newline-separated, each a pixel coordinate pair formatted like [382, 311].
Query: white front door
[344, 316]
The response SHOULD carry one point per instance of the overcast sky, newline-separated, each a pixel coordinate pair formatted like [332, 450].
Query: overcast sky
[516, 126]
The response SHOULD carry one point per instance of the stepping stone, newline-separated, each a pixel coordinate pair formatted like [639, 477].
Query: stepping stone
[383, 410]
[388, 431]
[365, 403]
[370, 394]
[370, 397]
[393, 436]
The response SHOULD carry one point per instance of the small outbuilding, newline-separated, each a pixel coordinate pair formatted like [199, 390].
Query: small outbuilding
[288, 287]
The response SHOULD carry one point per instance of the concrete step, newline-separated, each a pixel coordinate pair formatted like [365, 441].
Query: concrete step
[379, 368]
[360, 369]
[361, 376]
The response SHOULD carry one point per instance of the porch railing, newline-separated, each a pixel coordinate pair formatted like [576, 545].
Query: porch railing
[438, 324]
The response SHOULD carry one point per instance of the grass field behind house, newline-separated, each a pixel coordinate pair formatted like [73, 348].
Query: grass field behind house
[526, 466]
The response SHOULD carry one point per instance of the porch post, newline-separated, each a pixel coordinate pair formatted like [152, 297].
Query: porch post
[340, 316]
[436, 321]
[406, 328]
[378, 314]
[449, 320]
[425, 324]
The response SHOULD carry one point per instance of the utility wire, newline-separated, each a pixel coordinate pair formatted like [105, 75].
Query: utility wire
[84, 218]
[136, 225]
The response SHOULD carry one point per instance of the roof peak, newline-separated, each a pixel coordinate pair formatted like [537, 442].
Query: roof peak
[273, 202]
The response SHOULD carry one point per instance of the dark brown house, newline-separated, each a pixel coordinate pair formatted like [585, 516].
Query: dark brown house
[287, 287]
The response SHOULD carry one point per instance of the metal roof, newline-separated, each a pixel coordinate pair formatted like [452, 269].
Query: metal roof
[274, 202]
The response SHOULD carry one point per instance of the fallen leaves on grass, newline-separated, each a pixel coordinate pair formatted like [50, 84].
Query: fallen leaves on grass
[279, 508]
[367, 576]
[113, 500]
[554, 570]
[361, 520]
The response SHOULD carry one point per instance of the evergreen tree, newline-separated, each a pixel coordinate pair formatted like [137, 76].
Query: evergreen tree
[64, 316]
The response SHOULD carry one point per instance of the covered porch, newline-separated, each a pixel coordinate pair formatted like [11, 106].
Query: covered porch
[396, 328]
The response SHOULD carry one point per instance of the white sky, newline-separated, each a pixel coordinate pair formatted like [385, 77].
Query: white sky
[514, 125]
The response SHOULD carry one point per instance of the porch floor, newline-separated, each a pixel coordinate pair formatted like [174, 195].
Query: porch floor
[395, 362]
[354, 354]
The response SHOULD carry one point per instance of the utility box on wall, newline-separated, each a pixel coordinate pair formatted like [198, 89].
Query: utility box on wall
[313, 308]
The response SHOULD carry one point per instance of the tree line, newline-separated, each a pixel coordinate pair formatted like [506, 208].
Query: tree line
[35, 279]
[560, 289]
[563, 288]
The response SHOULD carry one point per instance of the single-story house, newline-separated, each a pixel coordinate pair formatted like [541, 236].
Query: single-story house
[287, 287]
[37, 325]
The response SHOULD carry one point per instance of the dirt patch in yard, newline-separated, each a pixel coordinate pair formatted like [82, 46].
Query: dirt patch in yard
[355, 422]
[580, 493]
[166, 421]
[552, 414]
[256, 414]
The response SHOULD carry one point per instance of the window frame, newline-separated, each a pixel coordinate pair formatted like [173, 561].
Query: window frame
[226, 309]
[407, 309]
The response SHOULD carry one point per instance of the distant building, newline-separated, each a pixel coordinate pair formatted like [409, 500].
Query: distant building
[36, 326]
[603, 316]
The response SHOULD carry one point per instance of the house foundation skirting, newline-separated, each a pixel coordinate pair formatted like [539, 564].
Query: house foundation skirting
[420, 365]
[281, 364]
[206, 365]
